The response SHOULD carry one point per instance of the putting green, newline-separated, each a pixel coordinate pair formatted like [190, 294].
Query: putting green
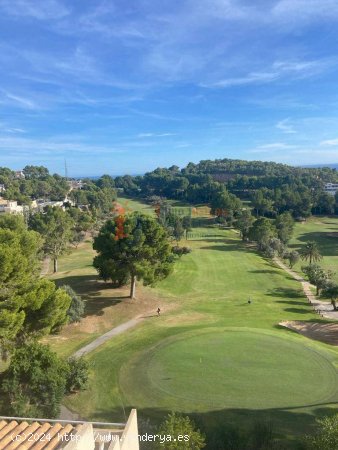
[229, 369]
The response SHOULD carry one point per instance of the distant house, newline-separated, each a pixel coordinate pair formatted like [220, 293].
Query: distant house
[40, 204]
[10, 207]
[2, 188]
[75, 184]
[331, 188]
[19, 174]
[39, 434]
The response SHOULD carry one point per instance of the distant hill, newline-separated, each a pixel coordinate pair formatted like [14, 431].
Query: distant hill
[331, 166]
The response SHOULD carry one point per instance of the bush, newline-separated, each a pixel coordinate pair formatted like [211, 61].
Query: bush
[35, 382]
[175, 425]
[179, 251]
[77, 306]
[77, 375]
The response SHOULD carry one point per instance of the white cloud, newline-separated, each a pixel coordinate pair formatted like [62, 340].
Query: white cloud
[41, 10]
[305, 11]
[272, 147]
[330, 142]
[279, 70]
[285, 126]
[145, 135]
[51, 146]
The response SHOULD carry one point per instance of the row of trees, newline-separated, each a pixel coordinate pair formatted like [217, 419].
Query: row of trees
[30, 308]
[38, 183]
[273, 188]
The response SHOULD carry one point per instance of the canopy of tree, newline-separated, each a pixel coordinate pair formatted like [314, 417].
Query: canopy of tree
[273, 188]
[133, 247]
[28, 304]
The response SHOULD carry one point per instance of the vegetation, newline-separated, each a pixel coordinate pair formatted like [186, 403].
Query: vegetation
[29, 305]
[273, 188]
[206, 297]
[326, 437]
[77, 375]
[38, 183]
[310, 252]
[77, 305]
[35, 382]
[133, 247]
[180, 433]
[56, 227]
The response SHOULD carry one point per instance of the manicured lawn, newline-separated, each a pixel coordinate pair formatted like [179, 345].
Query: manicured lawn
[213, 355]
[324, 231]
[221, 368]
[130, 205]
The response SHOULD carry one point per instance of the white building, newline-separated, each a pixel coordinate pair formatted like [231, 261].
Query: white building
[331, 188]
[2, 188]
[19, 174]
[10, 207]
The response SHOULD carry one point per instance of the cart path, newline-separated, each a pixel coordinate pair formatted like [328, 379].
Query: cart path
[325, 309]
[111, 333]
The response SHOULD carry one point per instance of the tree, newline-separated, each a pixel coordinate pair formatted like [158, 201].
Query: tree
[28, 304]
[244, 222]
[133, 246]
[326, 437]
[77, 305]
[56, 227]
[35, 382]
[331, 291]
[225, 205]
[262, 231]
[317, 276]
[174, 426]
[293, 257]
[277, 246]
[284, 225]
[77, 374]
[261, 202]
[310, 252]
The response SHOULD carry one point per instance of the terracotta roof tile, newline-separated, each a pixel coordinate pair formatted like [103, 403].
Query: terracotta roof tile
[35, 436]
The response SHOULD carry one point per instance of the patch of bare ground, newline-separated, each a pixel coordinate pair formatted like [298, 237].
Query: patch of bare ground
[323, 332]
[107, 308]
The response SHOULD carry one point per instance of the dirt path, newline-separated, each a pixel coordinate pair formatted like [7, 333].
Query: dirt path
[111, 333]
[325, 309]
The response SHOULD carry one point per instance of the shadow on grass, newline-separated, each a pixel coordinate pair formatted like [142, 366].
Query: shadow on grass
[327, 244]
[297, 310]
[287, 293]
[285, 421]
[96, 293]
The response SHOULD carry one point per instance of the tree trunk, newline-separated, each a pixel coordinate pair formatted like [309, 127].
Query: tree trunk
[133, 287]
[55, 265]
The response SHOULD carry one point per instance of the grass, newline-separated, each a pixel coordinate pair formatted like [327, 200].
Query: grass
[324, 231]
[244, 369]
[210, 354]
[258, 370]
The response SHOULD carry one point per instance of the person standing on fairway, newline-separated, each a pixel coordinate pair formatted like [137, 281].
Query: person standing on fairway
[158, 311]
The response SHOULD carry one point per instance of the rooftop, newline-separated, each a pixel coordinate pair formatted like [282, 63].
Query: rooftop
[41, 434]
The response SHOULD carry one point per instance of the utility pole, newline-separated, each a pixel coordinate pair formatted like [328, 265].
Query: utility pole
[66, 170]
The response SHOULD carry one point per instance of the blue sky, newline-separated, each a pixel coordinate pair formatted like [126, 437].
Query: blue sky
[127, 86]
